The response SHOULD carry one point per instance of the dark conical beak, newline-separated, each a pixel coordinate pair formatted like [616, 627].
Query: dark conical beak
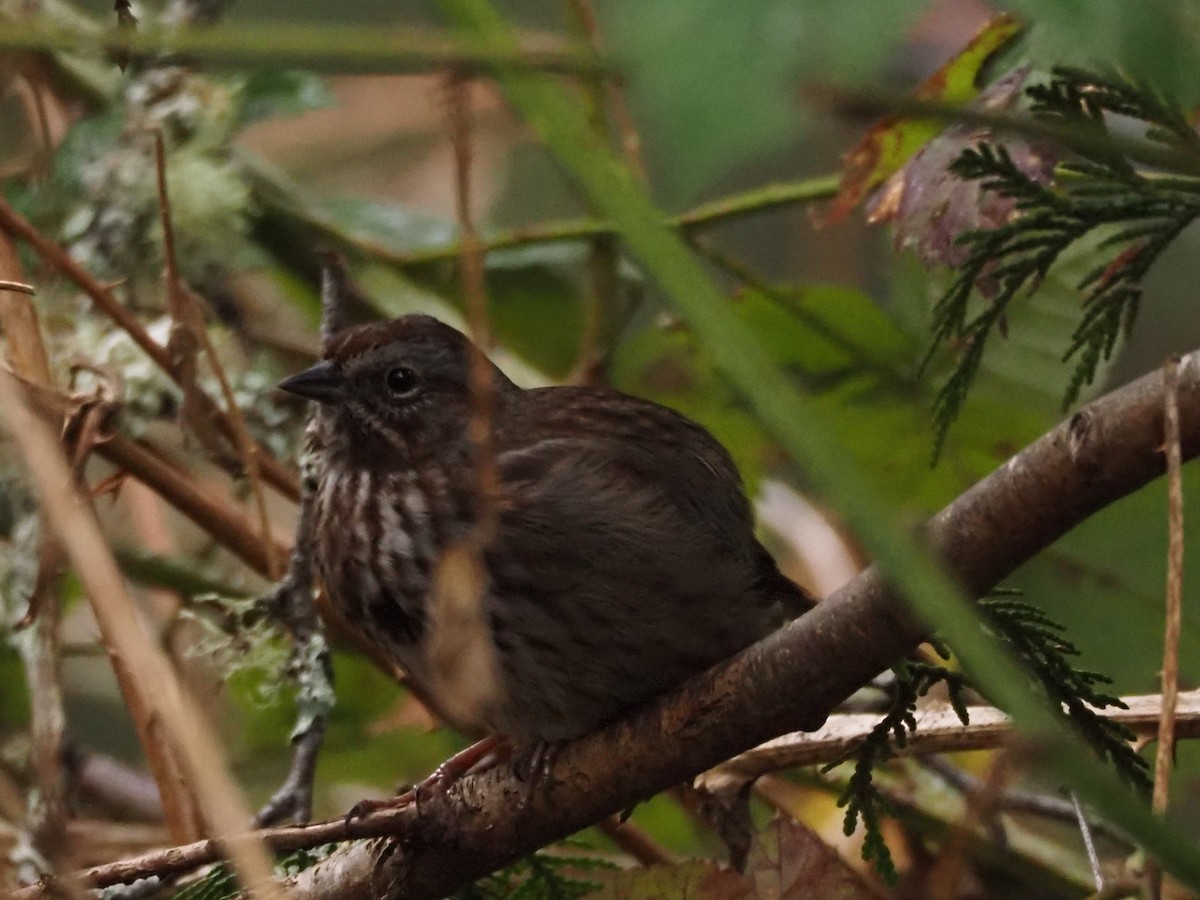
[322, 383]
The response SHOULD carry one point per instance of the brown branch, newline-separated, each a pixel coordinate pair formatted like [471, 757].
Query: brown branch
[789, 681]
[225, 524]
[275, 473]
[471, 268]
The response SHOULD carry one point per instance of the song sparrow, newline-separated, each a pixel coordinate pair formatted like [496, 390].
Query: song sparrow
[622, 559]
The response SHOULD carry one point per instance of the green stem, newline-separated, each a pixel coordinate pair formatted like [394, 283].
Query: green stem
[274, 189]
[319, 46]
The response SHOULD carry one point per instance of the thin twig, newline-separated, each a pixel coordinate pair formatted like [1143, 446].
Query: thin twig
[1164, 756]
[187, 315]
[176, 860]
[636, 842]
[938, 730]
[25, 349]
[275, 473]
[981, 808]
[460, 653]
[584, 15]
[471, 267]
[1015, 800]
[1089, 843]
[143, 670]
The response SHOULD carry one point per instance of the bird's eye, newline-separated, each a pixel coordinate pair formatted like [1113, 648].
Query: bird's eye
[401, 380]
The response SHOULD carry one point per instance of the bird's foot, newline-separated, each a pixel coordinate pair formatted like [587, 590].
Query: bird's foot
[478, 757]
[532, 766]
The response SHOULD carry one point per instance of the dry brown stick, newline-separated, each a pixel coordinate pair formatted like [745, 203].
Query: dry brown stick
[460, 652]
[144, 673]
[227, 525]
[1164, 756]
[471, 268]
[603, 260]
[39, 650]
[178, 807]
[26, 350]
[187, 314]
[275, 473]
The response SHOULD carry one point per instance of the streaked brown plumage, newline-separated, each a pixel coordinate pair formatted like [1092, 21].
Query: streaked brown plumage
[623, 558]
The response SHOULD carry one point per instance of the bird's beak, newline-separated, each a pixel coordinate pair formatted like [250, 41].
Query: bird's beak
[322, 383]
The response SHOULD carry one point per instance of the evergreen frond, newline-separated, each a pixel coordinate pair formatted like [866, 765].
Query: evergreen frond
[1044, 647]
[861, 797]
[1096, 189]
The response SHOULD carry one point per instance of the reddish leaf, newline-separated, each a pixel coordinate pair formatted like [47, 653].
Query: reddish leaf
[892, 141]
[932, 207]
